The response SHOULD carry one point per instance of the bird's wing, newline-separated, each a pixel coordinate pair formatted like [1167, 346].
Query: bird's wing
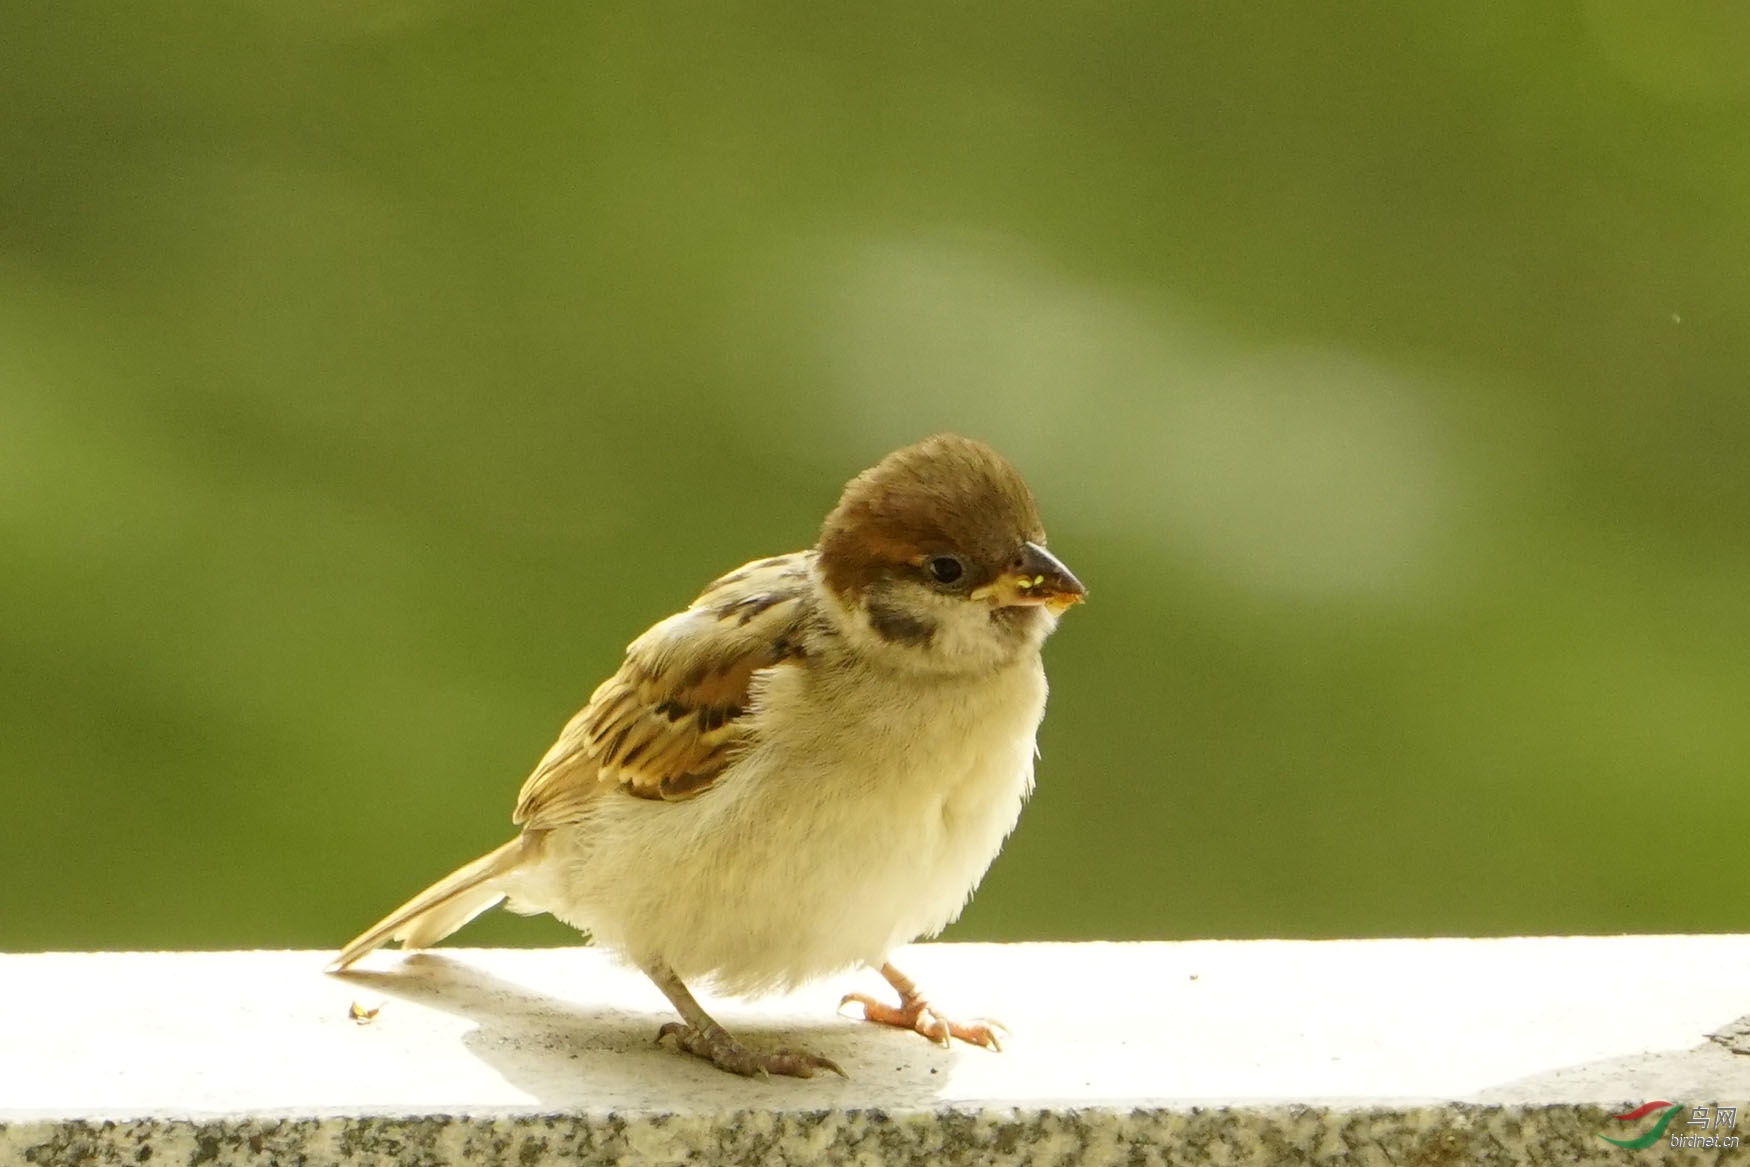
[668, 723]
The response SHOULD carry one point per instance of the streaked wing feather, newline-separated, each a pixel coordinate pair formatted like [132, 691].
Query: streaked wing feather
[667, 724]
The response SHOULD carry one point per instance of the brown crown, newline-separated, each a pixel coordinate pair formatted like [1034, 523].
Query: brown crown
[945, 494]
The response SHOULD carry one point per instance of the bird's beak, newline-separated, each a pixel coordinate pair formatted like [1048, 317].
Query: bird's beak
[1034, 577]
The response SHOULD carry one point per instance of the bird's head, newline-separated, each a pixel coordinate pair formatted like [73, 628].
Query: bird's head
[938, 556]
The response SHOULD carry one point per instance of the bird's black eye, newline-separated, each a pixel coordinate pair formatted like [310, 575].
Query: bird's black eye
[945, 568]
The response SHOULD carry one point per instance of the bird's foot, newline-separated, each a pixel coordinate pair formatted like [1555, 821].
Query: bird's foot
[918, 1014]
[714, 1044]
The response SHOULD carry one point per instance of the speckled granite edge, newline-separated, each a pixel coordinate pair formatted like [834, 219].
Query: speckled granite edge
[1427, 1136]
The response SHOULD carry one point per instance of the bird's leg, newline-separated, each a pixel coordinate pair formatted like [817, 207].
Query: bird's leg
[704, 1038]
[915, 1012]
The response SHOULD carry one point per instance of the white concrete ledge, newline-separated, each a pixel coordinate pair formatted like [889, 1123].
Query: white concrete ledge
[1413, 1051]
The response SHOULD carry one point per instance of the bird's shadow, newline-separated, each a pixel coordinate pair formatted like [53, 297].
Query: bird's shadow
[570, 1056]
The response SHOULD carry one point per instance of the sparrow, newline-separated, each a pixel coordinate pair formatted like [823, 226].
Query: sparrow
[812, 764]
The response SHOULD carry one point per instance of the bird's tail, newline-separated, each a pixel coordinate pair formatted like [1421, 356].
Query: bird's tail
[444, 906]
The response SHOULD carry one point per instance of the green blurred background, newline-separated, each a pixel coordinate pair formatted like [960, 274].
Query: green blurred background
[370, 374]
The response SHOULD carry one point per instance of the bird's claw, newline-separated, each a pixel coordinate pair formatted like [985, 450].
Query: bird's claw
[920, 1016]
[723, 1051]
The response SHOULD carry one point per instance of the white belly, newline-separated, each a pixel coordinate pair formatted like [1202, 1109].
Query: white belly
[864, 820]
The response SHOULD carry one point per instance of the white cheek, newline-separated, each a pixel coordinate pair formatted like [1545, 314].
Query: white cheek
[966, 637]
[966, 632]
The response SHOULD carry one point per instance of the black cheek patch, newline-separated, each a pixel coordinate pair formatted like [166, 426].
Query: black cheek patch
[897, 627]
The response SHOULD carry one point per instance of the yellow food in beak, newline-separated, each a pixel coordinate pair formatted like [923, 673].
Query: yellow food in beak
[1035, 577]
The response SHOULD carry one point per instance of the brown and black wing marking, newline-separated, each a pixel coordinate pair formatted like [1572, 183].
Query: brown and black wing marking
[667, 724]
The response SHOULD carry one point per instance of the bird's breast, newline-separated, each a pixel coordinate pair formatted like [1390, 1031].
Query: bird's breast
[910, 788]
[937, 741]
